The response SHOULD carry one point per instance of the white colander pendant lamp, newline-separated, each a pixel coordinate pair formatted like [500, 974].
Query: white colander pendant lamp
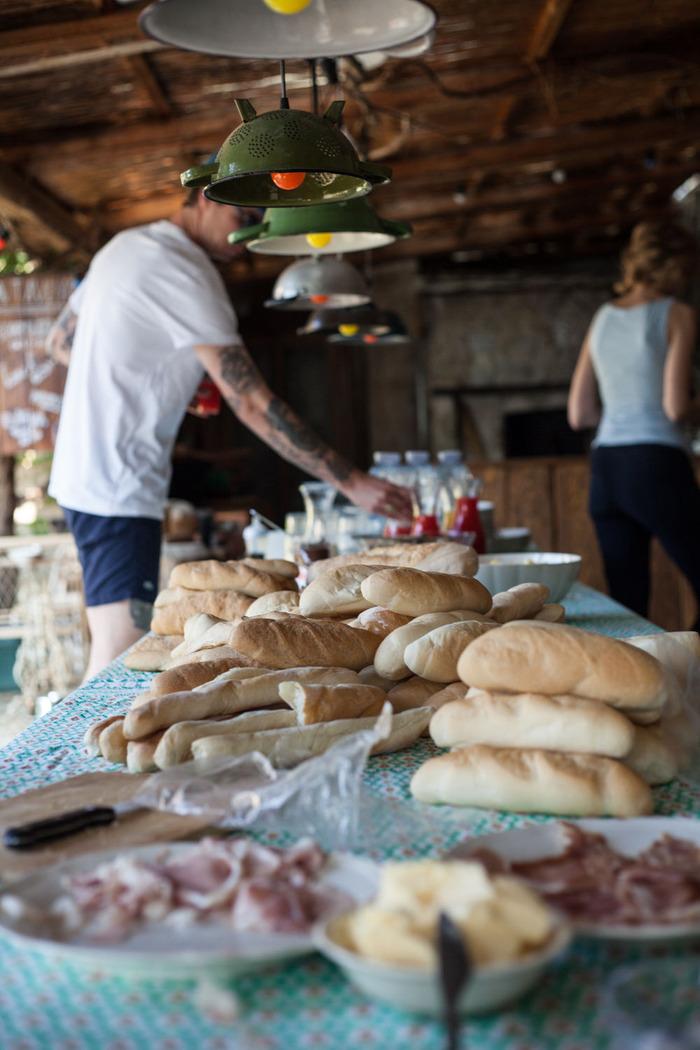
[321, 29]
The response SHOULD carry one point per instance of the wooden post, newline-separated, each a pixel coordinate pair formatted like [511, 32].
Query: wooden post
[7, 494]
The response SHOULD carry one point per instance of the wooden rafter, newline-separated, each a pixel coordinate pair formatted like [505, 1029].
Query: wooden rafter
[43, 223]
[144, 75]
[549, 22]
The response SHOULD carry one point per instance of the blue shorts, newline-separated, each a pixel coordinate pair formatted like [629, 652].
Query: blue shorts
[120, 557]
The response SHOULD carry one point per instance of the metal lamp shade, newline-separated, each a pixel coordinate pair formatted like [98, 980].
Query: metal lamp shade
[286, 140]
[324, 29]
[353, 225]
[380, 328]
[319, 284]
[324, 321]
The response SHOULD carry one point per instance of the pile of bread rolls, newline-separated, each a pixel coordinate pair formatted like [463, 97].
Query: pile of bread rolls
[289, 673]
[558, 720]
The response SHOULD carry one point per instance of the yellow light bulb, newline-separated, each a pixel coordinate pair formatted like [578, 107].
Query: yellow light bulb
[348, 329]
[287, 7]
[319, 240]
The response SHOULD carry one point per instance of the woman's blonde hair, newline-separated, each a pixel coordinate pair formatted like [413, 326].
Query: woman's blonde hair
[660, 255]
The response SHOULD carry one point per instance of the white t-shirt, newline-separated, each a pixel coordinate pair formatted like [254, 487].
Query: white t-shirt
[149, 297]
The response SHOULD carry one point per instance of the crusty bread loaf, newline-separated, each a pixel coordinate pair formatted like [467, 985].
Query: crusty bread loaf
[653, 755]
[202, 631]
[441, 556]
[176, 742]
[327, 703]
[526, 720]
[228, 576]
[380, 621]
[170, 618]
[389, 658]
[288, 747]
[336, 592]
[435, 654]
[296, 642]
[112, 742]
[276, 601]
[219, 652]
[411, 693]
[519, 603]
[140, 754]
[539, 657]
[199, 624]
[151, 652]
[552, 612]
[414, 592]
[536, 781]
[229, 694]
[275, 566]
[189, 676]
[91, 740]
[679, 653]
[368, 676]
[453, 691]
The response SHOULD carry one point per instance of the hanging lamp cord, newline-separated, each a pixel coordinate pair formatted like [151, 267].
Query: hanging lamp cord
[284, 101]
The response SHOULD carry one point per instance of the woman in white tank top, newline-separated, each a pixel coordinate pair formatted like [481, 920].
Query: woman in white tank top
[633, 382]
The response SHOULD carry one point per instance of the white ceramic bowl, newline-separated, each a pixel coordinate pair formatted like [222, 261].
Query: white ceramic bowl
[498, 572]
[418, 991]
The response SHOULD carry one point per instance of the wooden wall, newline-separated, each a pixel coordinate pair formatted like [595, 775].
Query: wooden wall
[550, 497]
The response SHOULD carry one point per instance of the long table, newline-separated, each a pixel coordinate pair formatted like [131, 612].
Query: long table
[305, 1004]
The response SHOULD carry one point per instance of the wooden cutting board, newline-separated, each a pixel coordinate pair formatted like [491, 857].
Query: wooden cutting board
[139, 828]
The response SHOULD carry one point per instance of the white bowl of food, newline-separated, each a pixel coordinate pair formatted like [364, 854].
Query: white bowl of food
[388, 952]
[499, 572]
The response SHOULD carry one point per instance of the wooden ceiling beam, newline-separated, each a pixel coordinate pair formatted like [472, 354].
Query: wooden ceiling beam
[146, 78]
[548, 24]
[55, 45]
[43, 225]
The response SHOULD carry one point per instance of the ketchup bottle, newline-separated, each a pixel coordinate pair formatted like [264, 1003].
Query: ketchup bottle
[468, 519]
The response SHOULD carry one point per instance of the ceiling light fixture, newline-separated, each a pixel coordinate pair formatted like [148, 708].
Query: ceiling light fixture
[321, 283]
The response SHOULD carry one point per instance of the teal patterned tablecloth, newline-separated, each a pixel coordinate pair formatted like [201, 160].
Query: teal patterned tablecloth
[306, 1004]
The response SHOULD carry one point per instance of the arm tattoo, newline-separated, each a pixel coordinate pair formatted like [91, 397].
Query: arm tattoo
[277, 424]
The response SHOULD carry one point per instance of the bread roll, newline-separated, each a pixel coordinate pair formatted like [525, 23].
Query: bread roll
[219, 652]
[368, 676]
[176, 742]
[389, 658]
[536, 781]
[539, 657]
[189, 676]
[199, 624]
[336, 592]
[678, 652]
[91, 740]
[228, 576]
[441, 556]
[455, 558]
[652, 756]
[519, 602]
[288, 747]
[525, 720]
[140, 754]
[277, 601]
[275, 566]
[411, 693]
[170, 618]
[414, 593]
[435, 655]
[112, 742]
[229, 694]
[327, 703]
[552, 613]
[151, 652]
[296, 642]
[453, 691]
[202, 632]
[380, 621]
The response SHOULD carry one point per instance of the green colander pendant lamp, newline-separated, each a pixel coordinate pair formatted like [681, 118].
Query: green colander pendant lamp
[286, 158]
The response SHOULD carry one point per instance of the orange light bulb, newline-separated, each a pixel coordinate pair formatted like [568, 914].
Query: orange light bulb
[318, 300]
[287, 180]
[369, 338]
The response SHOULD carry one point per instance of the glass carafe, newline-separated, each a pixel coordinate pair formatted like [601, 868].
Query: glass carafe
[318, 499]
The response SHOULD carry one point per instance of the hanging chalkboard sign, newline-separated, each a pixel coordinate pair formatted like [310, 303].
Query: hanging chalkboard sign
[31, 383]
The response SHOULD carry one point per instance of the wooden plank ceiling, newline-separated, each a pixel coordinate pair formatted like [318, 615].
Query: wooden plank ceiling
[553, 123]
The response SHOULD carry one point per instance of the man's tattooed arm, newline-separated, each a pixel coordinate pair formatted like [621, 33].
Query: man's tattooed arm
[59, 341]
[249, 396]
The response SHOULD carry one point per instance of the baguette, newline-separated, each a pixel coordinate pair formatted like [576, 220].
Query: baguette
[189, 676]
[653, 756]
[202, 632]
[534, 781]
[453, 691]
[368, 676]
[112, 742]
[337, 592]
[140, 754]
[411, 693]
[275, 566]
[389, 658]
[91, 740]
[218, 652]
[229, 694]
[228, 576]
[526, 720]
[170, 617]
[552, 613]
[276, 601]
[296, 641]
[539, 657]
[151, 652]
[521, 602]
[441, 556]
[327, 703]
[380, 621]
[288, 747]
[414, 593]
[435, 654]
[176, 742]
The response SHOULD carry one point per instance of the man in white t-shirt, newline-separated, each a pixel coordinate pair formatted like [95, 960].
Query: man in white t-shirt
[150, 316]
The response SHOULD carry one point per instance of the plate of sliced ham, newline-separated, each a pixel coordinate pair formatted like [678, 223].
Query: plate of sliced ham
[628, 880]
[216, 908]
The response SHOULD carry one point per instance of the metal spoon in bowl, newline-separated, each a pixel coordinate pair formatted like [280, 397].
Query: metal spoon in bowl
[455, 971]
